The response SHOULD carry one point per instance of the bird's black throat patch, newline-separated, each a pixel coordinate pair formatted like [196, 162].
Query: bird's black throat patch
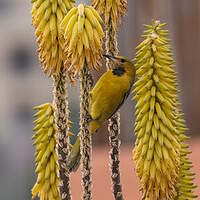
[119, 71]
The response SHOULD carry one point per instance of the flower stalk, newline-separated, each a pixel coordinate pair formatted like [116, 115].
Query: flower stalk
[113, 10]
[114, 122]
[85, 136]
[61, 115]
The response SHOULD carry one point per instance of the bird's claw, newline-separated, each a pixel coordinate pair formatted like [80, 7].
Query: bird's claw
[88, 118]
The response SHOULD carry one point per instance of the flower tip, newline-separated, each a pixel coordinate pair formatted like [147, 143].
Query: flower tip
[157, 22]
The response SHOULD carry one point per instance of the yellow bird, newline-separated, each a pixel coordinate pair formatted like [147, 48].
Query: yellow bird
[107, 96]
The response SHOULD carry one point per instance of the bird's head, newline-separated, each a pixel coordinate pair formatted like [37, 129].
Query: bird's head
[128, 65]
[120, 60]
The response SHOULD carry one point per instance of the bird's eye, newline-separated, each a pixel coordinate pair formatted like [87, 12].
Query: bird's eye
[123, 60]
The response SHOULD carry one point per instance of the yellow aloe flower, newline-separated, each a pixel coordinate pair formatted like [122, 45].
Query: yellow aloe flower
[113, 9]
[46, 186]
[83, 36]
[47, 16]
[157, 148]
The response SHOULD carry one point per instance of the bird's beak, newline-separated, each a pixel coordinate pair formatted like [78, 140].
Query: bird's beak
[110, 57]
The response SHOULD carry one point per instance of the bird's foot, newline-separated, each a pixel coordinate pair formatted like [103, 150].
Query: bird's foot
[88, 118]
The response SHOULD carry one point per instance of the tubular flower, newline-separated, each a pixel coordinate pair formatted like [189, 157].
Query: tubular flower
[83, 36]
[47, 16]
[185, 187]
[157, 148]
[46, 186]
[113, 9]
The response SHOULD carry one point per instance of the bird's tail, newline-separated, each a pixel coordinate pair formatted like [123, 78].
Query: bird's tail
[73, 160]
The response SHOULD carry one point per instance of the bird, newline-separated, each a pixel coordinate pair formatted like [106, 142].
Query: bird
[106, 97]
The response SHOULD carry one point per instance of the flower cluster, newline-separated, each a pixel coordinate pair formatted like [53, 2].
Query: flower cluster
[157, 149]
[47, 16]
[113, 9]
[46, 186]
[83, 36]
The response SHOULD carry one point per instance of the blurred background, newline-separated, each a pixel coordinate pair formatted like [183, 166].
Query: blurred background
[23, 85]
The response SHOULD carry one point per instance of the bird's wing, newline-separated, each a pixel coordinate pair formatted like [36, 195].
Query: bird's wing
[108, 95]
[125, 96]
[95, 95]
[94, 113]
